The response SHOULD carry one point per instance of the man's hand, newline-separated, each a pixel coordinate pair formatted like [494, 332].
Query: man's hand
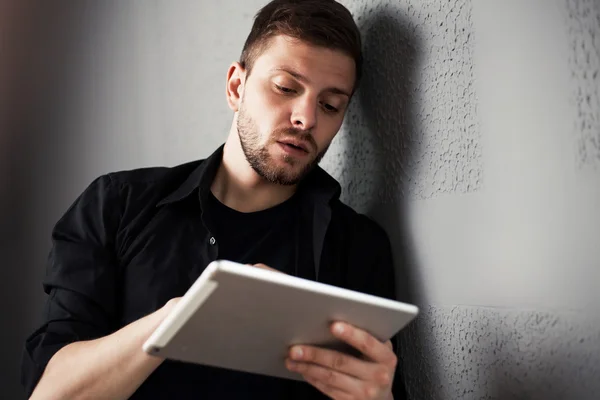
[341, 376]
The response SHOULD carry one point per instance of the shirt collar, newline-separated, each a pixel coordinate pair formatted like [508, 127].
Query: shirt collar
[318, 185]
[201, 177]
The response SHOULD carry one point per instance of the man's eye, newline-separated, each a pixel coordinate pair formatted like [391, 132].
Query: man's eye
[330, 108]
[284, 89]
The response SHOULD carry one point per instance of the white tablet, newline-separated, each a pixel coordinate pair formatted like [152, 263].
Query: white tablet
[245, 318]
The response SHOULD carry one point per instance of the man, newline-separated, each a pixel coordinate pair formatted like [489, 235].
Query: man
[135, 241]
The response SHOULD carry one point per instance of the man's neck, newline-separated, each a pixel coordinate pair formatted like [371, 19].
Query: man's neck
[238, 186]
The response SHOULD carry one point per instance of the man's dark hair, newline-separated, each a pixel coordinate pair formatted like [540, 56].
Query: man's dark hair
[324, 23]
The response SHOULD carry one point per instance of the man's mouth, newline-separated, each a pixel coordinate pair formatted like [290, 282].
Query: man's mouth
[295, 145]
[294, 149]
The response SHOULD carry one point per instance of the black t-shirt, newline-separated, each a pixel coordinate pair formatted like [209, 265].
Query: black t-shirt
[267, 236]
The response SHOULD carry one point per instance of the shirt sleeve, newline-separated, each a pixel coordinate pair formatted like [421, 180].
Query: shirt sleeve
[80, 280]
[386, 269]
[382, 282]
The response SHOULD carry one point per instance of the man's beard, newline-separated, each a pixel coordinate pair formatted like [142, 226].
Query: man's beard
[262, 162]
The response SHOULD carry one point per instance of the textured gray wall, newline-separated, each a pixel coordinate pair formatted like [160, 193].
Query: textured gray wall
[582, 21]
[475, 141]
[477, 136]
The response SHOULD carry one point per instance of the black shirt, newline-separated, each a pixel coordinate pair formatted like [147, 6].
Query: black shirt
[135, 239]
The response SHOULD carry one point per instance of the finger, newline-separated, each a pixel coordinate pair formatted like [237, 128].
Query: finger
[172, 303]
[343, 363]
[264, 266]
[365, 343]
[329, 391]
[329, 379]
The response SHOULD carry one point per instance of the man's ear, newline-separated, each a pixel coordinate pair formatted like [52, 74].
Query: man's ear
[236, 78]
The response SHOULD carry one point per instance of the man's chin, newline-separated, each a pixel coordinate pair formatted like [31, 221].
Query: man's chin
[286, 174]
[284, 169]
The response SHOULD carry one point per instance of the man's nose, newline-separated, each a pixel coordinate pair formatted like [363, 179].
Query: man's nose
[304, 115]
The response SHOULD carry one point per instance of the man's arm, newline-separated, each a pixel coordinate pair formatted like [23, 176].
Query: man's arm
[81, 349]
[112, 367]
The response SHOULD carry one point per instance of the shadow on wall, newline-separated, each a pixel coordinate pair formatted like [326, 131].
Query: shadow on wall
[387, 102]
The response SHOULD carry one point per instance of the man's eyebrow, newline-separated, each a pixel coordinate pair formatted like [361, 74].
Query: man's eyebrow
[302, 78]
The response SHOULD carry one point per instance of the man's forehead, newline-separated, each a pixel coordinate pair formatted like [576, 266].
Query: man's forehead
[303, 60]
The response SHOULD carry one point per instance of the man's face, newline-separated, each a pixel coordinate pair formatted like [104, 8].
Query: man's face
[292, 106]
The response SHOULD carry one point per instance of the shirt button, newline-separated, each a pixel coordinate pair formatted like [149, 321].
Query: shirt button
[213, 240]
